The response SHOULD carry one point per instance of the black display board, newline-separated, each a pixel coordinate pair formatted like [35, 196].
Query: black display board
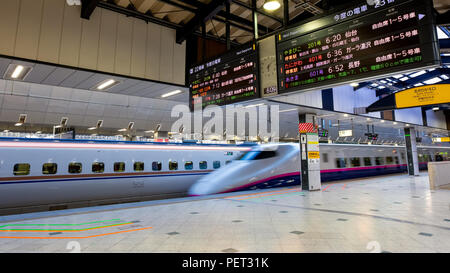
[359, 43]
[231, 78]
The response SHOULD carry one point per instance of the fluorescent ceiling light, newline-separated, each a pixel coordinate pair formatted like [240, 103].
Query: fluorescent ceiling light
[92, 128]
[395, 123]
[418, 84]
[417, 74]
[122, 130]
[383, 81]
[17, 72]
[374, 85]
[398, 76]
[106, 84]
[435, 109]
[404, 79]
[382, 120]
[5, 131]
[444, 77]
[254, 105]
[18, 124]
[171, 93]
[381, 87]
[433, 80]
[39, 132]
[271, 5]
[149, 131]
[354, 84]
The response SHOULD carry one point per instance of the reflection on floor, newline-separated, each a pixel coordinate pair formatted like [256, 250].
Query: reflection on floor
[394, 213]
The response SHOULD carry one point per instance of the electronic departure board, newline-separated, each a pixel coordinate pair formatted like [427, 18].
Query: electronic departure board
[228, 79]
[359, 43]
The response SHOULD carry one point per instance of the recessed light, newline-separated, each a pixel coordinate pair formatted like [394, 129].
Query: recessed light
[175, 92]
[17, 72]
[19, 69]
[106, 84]
[18, 124]
[271, 5]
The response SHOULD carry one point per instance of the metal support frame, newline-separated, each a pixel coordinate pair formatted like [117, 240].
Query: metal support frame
[88, 7]
[227, 26]
[203, 14]
[286, 12]
[255, 20]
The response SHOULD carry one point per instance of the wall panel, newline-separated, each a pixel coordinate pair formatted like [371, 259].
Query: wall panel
[28, 29]
[53, 32]
[50, 38]
[108, 39]
[90, 41]
[9, 14]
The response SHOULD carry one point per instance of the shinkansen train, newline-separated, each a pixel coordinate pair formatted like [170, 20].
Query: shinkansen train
[277, 165]
[37, 175]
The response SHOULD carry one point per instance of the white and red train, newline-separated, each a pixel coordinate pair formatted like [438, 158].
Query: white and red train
[38, 175]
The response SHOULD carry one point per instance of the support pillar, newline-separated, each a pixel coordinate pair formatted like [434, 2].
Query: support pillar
[411, 151]
[309, 152]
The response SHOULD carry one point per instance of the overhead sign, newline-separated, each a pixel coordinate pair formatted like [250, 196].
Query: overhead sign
[441, 139]
[228, 79]
[359, 43]
[345, 133]
[415, 97]
[423, 95]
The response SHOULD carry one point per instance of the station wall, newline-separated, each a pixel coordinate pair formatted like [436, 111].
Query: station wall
[51, 31]
[436, 119]
[345, 99]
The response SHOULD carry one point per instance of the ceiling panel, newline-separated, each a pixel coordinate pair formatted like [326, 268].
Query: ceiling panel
[76, 78]
[4, 65]
[39, 73]
[58, 76]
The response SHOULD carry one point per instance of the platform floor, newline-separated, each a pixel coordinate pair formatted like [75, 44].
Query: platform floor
[394, 213]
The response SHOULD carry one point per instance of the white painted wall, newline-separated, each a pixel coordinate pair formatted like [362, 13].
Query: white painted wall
[51, 31]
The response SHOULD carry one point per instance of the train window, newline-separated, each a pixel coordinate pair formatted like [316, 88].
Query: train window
[256, 155]
[379, 161]
[173, 165]
[355, 162]
[138, 166]
[216, 164]
[156, 166]
[49, 168]
[389, 160]
[75, 167]
[203, 165]
[188, 165]
[119, 167]
[403, 156]
[397, 160]
[341, 162]
[98, 167]
[22, 169]
[367, 161]
[325, 157]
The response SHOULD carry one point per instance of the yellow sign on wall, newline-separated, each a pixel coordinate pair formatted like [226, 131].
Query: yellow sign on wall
[423, 95]
[314, 155]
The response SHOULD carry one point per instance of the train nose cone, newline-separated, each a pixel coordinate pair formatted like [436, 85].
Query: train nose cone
[198, 189]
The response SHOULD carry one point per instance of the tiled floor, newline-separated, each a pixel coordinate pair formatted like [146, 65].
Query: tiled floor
[394, 213]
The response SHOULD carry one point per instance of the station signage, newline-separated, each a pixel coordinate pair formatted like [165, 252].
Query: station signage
[441, 139]
[423, 95]
[345, 133]
[359, 43]
[230, 78]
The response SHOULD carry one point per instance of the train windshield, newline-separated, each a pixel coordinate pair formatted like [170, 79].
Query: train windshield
[256, 155]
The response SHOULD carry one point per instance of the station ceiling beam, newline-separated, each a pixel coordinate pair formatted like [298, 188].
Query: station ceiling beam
[204, 14]
[88, 7]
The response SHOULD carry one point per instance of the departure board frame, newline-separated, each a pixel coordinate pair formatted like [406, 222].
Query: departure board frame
[220, 74]
[357, 43]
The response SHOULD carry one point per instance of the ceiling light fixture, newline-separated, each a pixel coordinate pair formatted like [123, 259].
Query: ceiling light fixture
[106, 84]
[18, 124]
[17, 72]
[271, 5]
[171, 93]
[354, 84]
